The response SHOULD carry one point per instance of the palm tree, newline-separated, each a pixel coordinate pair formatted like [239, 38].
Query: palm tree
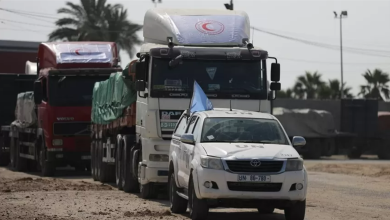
[376, 85]
[335, 88]
[309, 85]
[95, 20]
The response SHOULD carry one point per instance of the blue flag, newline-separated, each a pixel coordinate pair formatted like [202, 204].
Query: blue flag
[199, 101]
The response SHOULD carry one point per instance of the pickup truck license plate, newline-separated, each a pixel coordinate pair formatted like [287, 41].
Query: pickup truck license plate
[253, 178]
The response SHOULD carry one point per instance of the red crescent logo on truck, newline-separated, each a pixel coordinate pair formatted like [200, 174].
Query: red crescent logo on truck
[77, 51]
[210, 27]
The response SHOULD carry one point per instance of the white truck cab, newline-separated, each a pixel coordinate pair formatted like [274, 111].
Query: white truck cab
[237, 159]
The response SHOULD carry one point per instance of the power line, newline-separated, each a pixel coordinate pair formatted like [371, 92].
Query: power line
[335, 63]
[329, 46]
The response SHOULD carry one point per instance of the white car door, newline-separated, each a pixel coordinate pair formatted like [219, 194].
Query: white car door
[189, 149]
[177, 146]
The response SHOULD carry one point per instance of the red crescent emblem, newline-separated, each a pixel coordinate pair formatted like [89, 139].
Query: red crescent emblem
[216, 28]
[77, 52]
[204, 26]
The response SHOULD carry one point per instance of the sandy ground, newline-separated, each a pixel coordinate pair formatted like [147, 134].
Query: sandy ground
[359, 190]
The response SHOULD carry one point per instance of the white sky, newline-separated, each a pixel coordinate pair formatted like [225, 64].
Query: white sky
[367, 26]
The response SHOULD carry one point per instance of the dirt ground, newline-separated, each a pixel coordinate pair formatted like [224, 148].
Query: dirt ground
[337, 191]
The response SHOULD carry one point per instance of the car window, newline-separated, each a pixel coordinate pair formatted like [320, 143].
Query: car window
[180, 127]
[243, 130]
[192, 124]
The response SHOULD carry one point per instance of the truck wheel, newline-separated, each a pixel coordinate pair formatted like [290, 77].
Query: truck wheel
[314, 149]
[12, 150]
[296, 211]
[47, 169]
[130, 184]
[199, 209]
[265, 210]
[148, 191]
[119, 163]
[104, 167]
[330, 147]
[384, 152]
[178, 204]
[98, 159]
[354, 152]
[21, 163]
[93, 160]
[4, 158]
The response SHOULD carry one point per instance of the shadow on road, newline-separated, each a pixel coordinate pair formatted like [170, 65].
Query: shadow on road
[240, 215]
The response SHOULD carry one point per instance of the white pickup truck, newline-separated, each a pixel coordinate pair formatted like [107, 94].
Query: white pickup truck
[236, 159]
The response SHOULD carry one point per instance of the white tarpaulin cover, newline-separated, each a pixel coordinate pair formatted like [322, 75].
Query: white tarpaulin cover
[196, 27]
[83, 53]
[306, 122]
[25, 110]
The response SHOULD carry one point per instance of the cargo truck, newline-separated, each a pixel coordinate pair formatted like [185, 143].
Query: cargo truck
[133, 121]
[52, 122]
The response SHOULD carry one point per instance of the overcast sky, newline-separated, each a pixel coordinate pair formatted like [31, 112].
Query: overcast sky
[366, 27]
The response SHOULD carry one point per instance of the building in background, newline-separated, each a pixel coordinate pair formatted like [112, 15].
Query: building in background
[14, 54]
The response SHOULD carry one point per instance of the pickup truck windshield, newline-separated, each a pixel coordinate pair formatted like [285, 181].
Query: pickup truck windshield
[222, 79]
[243, 130]
[72, 90]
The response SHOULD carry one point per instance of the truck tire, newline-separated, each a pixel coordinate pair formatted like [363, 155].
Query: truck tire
[384, 152]
[354, 152]
[4, 157]
[148, 191]
[178, 204]
[330, 147]
[314, 149]
[199, 209]
[104, 167]
[266, 210]
[98, 159]
[119, 163]
[93, 160]
[21, 163]
[47, 169]
[130, 184]
[12, 154]
[296, 211]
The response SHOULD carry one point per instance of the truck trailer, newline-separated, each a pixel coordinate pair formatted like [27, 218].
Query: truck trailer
[133, 121]
[52, 124]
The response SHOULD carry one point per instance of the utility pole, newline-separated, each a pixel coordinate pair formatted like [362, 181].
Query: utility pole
[155, 2]
[345, 14]
[229, 6]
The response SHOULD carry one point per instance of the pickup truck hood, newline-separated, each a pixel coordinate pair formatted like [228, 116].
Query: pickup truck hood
[249, 150]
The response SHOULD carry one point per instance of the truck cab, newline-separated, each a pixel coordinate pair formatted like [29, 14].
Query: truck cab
[235, 158]
[184, 45]
[67, 72]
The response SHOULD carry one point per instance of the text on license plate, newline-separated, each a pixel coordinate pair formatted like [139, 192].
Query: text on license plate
[253, 178]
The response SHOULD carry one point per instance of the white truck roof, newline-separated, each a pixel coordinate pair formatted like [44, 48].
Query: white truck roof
[235, 113]
[196, 27]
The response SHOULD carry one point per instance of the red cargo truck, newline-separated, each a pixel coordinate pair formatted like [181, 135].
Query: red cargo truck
[52, 123]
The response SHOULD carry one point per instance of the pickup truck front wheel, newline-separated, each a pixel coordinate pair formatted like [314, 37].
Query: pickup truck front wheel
[178, 204]
[296, 211]
[199, 208]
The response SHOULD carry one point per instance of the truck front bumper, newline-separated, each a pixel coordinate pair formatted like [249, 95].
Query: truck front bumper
[68, 158]
[225, 186]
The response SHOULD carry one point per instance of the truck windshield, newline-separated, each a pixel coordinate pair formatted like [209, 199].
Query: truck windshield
[243, 130]
[72, 90]
[222, 79]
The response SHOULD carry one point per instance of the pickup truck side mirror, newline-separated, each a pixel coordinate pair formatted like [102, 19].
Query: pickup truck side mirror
[188, 139]
[298, 141]
[38, 96]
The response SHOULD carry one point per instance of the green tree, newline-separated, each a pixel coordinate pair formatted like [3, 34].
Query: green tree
[332, 90]
[376, 85]
[308, 85]
[288, 93]
[95, 20]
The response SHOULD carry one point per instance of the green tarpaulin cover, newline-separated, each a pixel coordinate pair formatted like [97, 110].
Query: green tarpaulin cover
[111, 97]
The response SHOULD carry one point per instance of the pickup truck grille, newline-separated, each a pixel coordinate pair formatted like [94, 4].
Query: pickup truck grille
[254, 187]
[71, 128]
[244, 166]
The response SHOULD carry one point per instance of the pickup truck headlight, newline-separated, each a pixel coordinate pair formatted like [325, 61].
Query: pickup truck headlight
[211, 163]
[294, 165]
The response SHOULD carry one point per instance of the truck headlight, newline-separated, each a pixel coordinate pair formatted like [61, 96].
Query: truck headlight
[294, 165]
[57, 142]
[158, 157]
[211, 163]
